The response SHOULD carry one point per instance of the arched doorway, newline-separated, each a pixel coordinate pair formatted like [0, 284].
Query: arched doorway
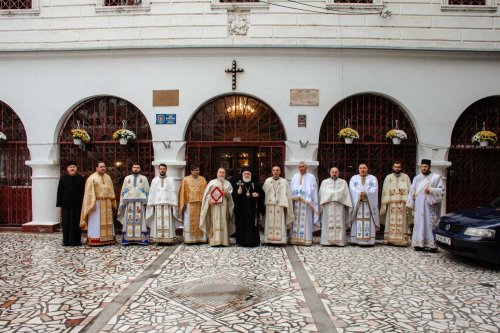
[372, 116]
[473, 179]
[100, 117]
[235, 130]
[15, 176]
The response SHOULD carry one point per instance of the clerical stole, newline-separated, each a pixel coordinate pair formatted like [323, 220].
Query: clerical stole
[275, 225]
[302, 225]
[218, 233]
[100, 227]
[363, 226]
[396, 224]
[192, 231]
[163, 226]
[135, 223]
[334, 216]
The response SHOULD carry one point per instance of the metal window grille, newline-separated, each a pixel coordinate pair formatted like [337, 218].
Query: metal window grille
[371, 116]
[353, 1]
[100, 117]
[235, 121]
[15, 176]
[122, 2]
[467, 2]
[239, 1]
[15, 4]
[473, 179]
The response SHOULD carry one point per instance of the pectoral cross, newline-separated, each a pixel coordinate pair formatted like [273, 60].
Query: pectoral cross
[234, 71]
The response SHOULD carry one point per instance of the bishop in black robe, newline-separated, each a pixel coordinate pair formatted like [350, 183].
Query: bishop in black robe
[248, 200]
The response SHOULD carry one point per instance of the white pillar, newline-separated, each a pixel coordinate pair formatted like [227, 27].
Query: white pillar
[292, 167]
[439, 167]
[175, 169]
[44, 182]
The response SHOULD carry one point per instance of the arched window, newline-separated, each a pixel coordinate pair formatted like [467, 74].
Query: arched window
[473, 179]
[15, 176]
[371, 116]
[101, 116]
[232, 131]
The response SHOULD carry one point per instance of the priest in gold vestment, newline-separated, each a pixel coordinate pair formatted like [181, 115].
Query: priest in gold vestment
[190, 198]
[217, 218]
[98, 208]
[279, 208]
[393, 209]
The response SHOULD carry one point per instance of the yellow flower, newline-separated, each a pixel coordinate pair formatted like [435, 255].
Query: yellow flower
[485, 136]
[396, 133]
[123, 134]
[79, 133]
[348, 133]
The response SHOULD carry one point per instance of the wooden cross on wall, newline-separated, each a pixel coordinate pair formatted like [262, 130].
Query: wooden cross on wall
[233, 70]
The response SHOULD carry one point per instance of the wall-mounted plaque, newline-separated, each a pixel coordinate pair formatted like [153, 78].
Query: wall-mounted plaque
[304, 97]
[165, 97]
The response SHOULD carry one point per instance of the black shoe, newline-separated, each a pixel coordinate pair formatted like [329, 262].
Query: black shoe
[433, 250]
[418, 248]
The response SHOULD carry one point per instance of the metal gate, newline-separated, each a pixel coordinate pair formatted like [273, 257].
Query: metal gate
[100, 117]
[15, 176]
[371, 116]
[233, 121]
[473, 179]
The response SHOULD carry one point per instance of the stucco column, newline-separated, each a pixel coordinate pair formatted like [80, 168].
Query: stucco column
[175, 169]
[44, 181]
[439, 167]
[292, 167]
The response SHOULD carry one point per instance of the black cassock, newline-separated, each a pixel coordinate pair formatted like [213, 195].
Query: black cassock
[69, 198]
[246, 211]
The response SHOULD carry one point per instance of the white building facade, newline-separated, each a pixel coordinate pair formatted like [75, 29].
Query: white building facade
[363, 65]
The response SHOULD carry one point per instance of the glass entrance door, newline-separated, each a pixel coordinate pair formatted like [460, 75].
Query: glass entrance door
[234, 158]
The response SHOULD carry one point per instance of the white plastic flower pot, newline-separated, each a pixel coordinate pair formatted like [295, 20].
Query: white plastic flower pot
[396, 141]
[77, 141]
[484, 143]
[348, 141]
[123, 141]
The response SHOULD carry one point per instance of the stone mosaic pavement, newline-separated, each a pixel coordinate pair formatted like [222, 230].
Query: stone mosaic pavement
[45, 287]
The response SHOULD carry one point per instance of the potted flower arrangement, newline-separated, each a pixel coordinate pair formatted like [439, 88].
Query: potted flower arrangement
[484, 138]
[396, 135]
[348, 134]
[123, 135]
[80, 135]
[3, 137]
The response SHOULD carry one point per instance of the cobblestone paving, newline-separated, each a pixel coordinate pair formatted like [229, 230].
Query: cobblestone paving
[45, 287]
[392, 289]
[194, 265]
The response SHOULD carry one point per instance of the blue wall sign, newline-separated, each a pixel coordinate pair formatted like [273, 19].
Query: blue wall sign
[166, 119]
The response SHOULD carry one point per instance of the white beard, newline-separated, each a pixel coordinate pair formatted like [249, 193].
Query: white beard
[247, 180]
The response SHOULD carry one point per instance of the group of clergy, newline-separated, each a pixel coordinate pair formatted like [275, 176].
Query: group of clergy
[338, 206]
[213, 212]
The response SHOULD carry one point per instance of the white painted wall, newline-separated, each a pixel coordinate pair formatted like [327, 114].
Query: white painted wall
[434, 87]
[413, 24]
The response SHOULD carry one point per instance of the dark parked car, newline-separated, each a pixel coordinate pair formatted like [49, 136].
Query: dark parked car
[473, 233]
